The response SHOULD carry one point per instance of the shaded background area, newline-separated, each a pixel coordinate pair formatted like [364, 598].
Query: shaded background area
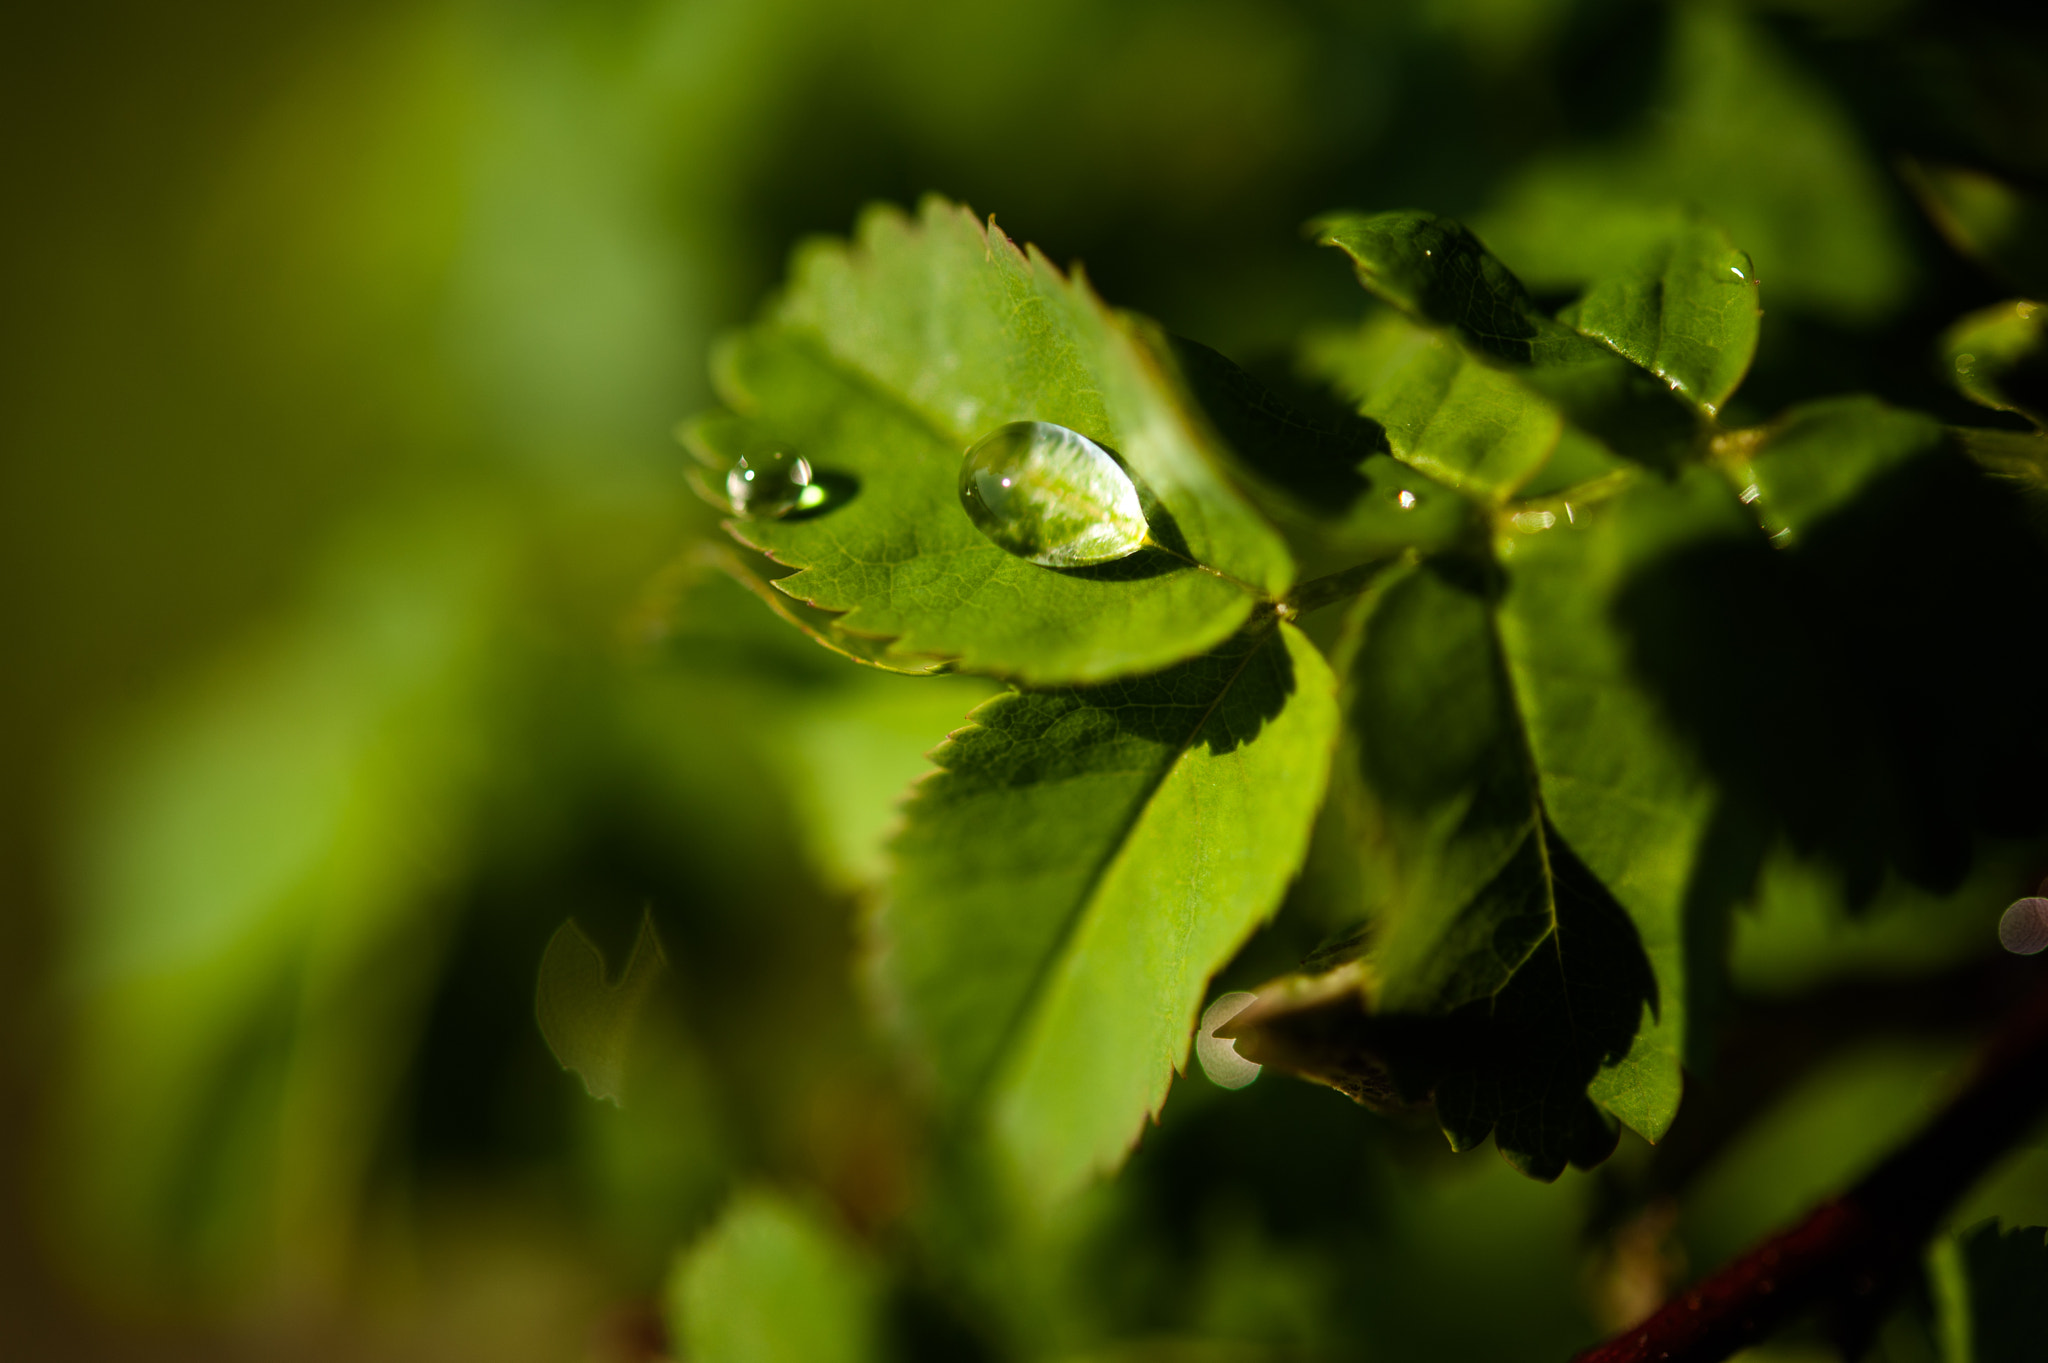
[355, 642]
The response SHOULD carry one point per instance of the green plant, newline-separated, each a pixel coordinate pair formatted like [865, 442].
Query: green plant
[1578, 654]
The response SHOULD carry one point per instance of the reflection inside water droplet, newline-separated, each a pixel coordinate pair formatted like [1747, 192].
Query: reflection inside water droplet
[1220, 1060]
[771, 483]
[2023, 929]
[1051, 495]
[1405, 499]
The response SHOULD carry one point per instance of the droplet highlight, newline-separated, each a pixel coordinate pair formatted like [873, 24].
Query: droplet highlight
[2023, 929]
[1218, 1055]
[1051, 495]
[771, 483]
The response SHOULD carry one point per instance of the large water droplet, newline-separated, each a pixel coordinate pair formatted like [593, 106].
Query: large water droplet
[770, 483]
[1051, 495]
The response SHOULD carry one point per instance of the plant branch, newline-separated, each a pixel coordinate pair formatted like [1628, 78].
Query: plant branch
[1852, 1255]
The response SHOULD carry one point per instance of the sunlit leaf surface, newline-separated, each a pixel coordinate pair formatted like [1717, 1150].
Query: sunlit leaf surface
[887, 359]
[1077, 867]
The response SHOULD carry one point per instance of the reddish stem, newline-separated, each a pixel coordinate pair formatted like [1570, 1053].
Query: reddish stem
[1852, 1255]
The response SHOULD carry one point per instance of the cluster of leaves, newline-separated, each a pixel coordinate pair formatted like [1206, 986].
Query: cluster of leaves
[1576, 654]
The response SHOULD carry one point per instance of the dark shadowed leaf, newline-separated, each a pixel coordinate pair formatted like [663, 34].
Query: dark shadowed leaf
[1537, 839]
[1327, 481]
[1475, 385]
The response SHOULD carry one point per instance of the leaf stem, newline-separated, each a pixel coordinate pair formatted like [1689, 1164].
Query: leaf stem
[1853, 1255]
[1259, 592]
[1331, 588]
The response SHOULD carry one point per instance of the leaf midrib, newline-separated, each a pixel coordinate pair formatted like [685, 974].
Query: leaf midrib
[1085, 900]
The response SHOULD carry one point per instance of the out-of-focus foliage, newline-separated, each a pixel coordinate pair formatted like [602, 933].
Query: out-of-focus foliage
[1985, 1279]
[362, 630]
[773, 1283]
[588, 1015]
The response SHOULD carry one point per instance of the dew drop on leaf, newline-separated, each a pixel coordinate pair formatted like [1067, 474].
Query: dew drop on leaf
[769, 484]
[1051, 495]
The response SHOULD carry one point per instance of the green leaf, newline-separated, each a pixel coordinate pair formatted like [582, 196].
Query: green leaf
[886, 360]
[1999, 357]
[1329, 484]
[1075, 870]
[1685, 309]
[1817, 459]
[1447, 413]
[821, 627]
[1433, 269]
[1987, 1289]
[1622, 782]
[1515, 1063]
[1449, 822]
[1477, 386]
[773, 1283]
[1537, 840]
[587, 1019]
[1986, 219]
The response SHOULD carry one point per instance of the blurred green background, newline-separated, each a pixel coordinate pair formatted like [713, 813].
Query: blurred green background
[356, 635]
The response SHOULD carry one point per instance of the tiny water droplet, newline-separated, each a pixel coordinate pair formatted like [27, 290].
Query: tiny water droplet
[2023, 929]
[1964, 361]
[1405, 499]
[1529, 522]
[1051, 495]
[770, 483]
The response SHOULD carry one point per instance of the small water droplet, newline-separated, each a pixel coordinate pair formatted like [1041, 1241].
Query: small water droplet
[1405, 499]
[1529, 522]
[1749, 494]
[771, 483]
[1964, 361]
[1051, 495]
[2023, 930]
